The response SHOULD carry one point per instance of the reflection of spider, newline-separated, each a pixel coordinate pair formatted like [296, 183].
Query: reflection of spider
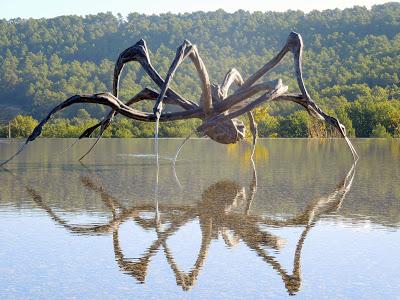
[223, 210]
[216, 109]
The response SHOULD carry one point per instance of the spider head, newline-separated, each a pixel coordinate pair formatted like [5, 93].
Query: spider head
[228, 131]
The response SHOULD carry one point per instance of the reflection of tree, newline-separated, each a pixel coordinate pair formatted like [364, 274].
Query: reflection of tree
[223, 210]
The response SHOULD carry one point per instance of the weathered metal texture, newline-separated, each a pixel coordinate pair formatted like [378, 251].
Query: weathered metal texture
[216, 109]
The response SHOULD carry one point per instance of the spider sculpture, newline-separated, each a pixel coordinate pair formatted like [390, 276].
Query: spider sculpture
[216, 109]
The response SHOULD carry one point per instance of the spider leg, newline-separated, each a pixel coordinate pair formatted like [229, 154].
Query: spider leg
[294, 44]
[253, 129]
[187, 280]
[138, 269]
[139, 53]
[241, 95]
[252, 189]
[111, 101]
[297, 48]
[244, 107]
[233, 76]
[184, 51]
[145, 94]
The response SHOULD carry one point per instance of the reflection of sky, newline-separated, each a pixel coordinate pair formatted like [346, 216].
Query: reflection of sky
[44, 261]
[351, 253]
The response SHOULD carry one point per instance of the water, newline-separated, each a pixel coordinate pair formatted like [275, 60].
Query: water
[310, 226]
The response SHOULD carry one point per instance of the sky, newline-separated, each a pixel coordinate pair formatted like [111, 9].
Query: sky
[51, 8]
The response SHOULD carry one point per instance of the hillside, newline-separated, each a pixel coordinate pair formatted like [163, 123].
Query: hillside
[351, 62]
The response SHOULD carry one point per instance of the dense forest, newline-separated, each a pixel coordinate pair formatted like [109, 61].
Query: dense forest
[351, 66]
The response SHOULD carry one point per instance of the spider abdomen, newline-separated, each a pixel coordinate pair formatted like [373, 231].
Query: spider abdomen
[227, 132]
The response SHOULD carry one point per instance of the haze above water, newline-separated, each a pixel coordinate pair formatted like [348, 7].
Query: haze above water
[307, 223]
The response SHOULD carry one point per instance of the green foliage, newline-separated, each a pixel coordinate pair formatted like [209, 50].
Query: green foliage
[267, 125]
[366, 114]
[66, 128]
[181, 128]
[295, 125]
[379, 131]
[342, 113]
[396, 132]
[351, 65]
[22, 126]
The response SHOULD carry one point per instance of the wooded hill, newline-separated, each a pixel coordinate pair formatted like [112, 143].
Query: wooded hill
[351, 63]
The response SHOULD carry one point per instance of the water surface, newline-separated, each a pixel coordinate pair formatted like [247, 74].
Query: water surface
[305, 222]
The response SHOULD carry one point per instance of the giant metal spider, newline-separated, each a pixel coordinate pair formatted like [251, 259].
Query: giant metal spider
[216, 109]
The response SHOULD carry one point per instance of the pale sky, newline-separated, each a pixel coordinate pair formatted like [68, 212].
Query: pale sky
[51, 8]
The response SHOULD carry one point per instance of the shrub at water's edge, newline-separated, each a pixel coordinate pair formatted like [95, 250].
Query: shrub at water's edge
[298, 124]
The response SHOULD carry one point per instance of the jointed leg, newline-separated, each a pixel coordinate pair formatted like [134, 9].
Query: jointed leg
[145, 94]
[233, 76]
[296, 46]
[109, 100]
[253, 129]
[187, 280]
[277, 91]
[242, 96]
[293, 44]
[139, 269]
[184, 51]
[139, 53]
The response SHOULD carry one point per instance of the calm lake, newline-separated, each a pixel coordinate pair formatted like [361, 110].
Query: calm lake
[307, 223]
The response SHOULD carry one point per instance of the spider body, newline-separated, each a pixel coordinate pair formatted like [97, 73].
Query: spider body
[217, 110]
[227, 132]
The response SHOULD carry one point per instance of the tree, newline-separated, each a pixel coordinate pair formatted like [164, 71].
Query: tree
[380, 131]
[351, 62]
[22, 126]
[295, 125]
[267, 125]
